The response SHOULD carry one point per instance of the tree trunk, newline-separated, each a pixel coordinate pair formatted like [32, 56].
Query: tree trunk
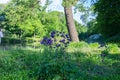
[70, 24]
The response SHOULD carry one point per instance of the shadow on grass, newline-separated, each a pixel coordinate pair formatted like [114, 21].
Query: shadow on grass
[76, 66]
[116, 61]
[48, 65]
[114, 56]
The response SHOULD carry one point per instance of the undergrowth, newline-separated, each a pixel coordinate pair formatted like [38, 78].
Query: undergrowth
[44, 64]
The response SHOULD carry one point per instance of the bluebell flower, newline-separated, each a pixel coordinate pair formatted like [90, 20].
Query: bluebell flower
[42, 42]
[67, 36]
[53, 34]
[49, 42]
[45, 38]
[62, 41]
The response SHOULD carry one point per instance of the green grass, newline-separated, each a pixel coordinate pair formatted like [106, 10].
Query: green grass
[44, 64]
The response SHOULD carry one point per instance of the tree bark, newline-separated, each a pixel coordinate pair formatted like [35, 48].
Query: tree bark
[70, 24]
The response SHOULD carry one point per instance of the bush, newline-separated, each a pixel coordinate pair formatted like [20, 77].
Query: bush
[80, 44]
[9, 40]
[113, 48]
[78, 47]
[114, 39]
[84, 47]
[94, 45]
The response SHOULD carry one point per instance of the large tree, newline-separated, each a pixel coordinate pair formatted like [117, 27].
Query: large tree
[23, 16]
[69, 19]
[33, 19]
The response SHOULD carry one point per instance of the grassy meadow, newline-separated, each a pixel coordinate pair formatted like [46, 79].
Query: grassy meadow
[77, 62]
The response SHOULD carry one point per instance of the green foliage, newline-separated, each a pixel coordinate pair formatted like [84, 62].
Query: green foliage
[82, 30]
[113, 48]
[114, 39]
[53, 21]
[25, 20]
[28, 41]
[92, 27]
[78, 47]
[94, 45]
[22, 13]
[108, 17]
[10, 40]
[84, 47]
[32, 27]
[29, 19]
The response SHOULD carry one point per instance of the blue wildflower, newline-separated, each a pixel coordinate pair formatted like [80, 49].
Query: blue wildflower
[53, 34]
[49, 42]
[67, 36]
[42, 42]
[62, 41]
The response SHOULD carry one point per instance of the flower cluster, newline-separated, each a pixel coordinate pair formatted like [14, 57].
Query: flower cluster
[56, 40]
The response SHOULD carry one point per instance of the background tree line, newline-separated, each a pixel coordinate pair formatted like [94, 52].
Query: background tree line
[21, 19]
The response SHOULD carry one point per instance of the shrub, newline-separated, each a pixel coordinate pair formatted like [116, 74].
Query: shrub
[8, 40]
[81, 44]
[78, 47]
[94, 45]
[113, 48]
